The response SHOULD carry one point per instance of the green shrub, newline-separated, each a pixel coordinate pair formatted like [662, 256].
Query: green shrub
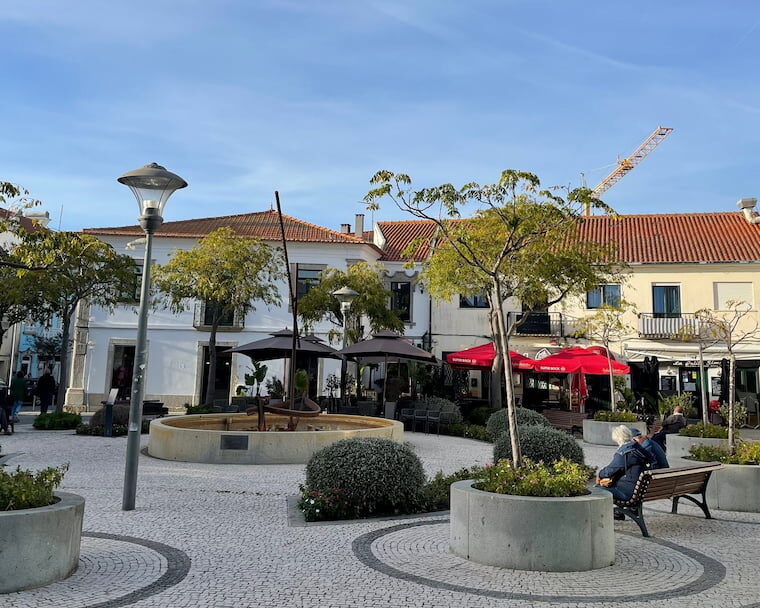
[57, 421]
[376, 475]
[479, 415]
[120, 415]
[746, 453]
[470, 431]
[198, 409]
[497, 423]
[669, 403]
[562, 478]
[711, 431]
[608, 416]
[540, 444]
[330, 504]
[27, 489]
[117, 430]
[436, 494]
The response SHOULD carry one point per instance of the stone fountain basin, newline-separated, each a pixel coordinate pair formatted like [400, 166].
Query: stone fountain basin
[233, 438]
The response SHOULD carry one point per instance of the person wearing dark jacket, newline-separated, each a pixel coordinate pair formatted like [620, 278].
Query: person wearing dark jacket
[661, 460]
[670, 426]
[45, 391]
[629, 461]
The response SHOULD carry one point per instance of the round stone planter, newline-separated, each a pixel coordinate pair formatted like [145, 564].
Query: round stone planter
[678, 445]
[600, 433]
[40, 546]
[532, 533]
[736, 487]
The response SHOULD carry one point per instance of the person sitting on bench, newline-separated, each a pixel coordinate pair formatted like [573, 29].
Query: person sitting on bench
[670, 426]
[620, 476]
[661, 460]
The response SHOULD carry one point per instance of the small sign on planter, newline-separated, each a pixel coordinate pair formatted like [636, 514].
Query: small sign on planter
[233, 442]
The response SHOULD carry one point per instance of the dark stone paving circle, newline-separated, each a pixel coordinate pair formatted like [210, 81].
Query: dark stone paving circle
[418, 552]
[142, 568]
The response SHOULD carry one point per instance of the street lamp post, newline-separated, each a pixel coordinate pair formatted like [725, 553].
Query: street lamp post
[152, 186]
[345, 296]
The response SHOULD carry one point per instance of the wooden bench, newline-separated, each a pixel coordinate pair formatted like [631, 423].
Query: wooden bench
[674, 483]
[572, 422]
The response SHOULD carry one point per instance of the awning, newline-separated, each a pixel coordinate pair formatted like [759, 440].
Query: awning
[481, 357]
[580, 360]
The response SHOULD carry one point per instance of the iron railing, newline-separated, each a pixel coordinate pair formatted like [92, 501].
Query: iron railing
[553, 324]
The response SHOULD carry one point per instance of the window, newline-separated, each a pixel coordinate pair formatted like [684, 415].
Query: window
[477, 300]
[306, 278]
[209, 312]
[130, 294]
[728, 292]
[603, 295]
[666, 301]
[401, 299]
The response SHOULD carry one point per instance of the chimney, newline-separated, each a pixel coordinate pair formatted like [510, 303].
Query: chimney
[747, 206]
[359, 229]
[345, 228]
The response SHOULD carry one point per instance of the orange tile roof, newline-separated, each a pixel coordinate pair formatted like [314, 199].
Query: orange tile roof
[641, 239]
[263, 224]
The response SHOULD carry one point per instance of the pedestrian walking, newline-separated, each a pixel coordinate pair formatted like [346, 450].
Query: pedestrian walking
[18, 394]
[46, 390]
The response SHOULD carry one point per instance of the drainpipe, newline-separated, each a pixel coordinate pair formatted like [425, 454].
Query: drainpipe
[747, 206]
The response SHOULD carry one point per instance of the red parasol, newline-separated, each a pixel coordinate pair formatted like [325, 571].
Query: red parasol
[577, 359]
[481, 357]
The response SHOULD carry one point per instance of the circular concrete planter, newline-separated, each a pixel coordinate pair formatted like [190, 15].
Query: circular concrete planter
[233, 439]
[40, 546]
[600, 433]
[532, 533]
[736, 487]
[678, 445]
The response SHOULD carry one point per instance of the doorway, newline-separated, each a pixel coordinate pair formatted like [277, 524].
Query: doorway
[223, 375]
[121, 370]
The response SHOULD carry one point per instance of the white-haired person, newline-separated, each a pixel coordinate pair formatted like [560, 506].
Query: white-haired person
[630, 459]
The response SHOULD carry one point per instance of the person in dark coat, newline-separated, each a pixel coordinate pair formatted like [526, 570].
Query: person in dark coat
[17, 394]
[670, 426]
[45, 391]
[629, 461]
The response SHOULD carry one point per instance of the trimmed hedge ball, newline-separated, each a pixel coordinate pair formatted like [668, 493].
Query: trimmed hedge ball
[540, 443]
[376, 475]
[497, 422]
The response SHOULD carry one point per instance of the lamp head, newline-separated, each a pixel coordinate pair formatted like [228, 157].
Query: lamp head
[152, 186]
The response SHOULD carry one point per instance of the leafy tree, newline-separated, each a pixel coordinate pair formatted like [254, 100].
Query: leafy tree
[77, 267]
[521, 242]
[227, 272]
[20, 296]
[606, 325]
[730, 328]
[372, 302]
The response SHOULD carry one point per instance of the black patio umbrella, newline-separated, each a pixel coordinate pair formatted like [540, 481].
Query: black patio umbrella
[385, 346]
[280, 345]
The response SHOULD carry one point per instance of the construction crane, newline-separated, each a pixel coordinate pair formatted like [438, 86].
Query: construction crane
[625, 165]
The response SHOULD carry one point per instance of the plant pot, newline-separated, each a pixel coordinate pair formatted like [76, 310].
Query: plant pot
[40, 546]
[736, 487]
[600, 433]
[678, 445]
[532, 533]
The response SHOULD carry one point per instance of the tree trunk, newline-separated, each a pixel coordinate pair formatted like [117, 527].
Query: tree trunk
[731, 401]
[496, 366]
[613, 403]
[510, 393]
[211, 377]
[64, 380]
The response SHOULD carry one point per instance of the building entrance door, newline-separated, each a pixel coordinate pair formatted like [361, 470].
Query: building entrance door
[223, 375]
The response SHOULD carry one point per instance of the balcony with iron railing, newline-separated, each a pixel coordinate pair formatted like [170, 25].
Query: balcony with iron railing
[668, 326]
[553, 324]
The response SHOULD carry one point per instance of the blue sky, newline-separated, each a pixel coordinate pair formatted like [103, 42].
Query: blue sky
[312, 97]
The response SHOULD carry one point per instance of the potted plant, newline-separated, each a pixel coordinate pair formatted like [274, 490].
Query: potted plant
[735, 487]
[500, 518]
[712, 435]
[599, 430]
[43, 526]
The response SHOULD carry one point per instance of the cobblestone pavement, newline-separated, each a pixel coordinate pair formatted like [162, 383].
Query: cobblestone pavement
[218, 536]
